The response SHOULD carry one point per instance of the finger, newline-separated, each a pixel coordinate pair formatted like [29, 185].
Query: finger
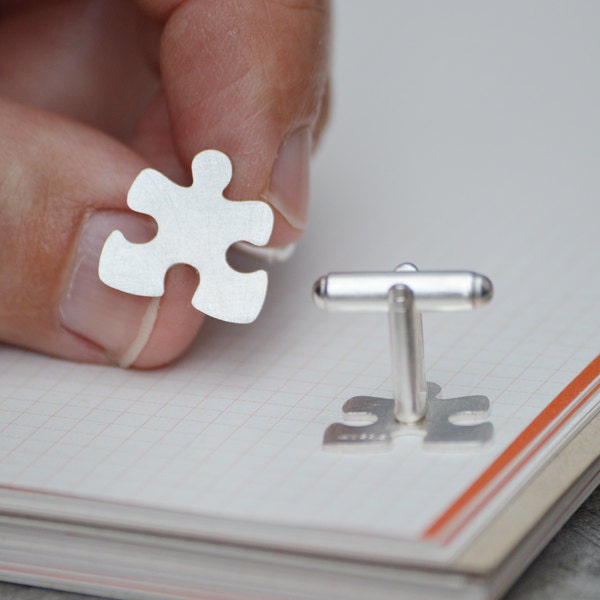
[248, 78]
[62, 191]
[85, 59]
[154, 141]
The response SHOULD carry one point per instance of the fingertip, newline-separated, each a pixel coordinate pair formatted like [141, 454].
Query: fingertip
[283, 234]
[173, 322]
[289, 185]
[120, 328]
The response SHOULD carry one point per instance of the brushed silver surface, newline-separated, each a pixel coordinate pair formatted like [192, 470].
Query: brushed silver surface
[196, 226]
[376, 425]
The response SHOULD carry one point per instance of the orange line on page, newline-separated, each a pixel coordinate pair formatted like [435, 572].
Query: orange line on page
[527, 436]
[487, 497]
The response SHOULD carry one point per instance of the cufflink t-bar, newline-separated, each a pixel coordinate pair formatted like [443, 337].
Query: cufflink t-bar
[405, 293]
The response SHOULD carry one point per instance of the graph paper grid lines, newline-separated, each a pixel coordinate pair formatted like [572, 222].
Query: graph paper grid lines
[233, 430]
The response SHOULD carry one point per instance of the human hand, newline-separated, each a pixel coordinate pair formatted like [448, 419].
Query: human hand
[92, 92]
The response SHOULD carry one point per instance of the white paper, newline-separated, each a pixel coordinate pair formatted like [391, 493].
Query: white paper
[473, 152]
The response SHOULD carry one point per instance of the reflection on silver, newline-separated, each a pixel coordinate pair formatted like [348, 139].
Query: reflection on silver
[433, 290]
[406, 346]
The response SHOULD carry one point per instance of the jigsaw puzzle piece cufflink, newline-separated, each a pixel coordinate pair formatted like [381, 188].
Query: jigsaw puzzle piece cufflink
[415, 407]
[196, 227]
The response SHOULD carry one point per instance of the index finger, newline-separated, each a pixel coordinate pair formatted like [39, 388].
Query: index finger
[249, 78]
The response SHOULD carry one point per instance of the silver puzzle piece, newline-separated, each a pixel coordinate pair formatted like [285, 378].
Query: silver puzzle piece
[441, 427]
[196, 226]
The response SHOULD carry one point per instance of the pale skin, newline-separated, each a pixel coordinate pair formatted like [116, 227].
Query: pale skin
[92, 92]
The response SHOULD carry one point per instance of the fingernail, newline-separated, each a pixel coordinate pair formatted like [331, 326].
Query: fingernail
[265, 253]
[290, 179]
[113, 320]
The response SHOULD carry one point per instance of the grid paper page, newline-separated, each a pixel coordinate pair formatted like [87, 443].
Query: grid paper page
[234, 429]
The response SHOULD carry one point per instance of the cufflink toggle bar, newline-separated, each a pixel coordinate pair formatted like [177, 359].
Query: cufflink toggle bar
[405, 293]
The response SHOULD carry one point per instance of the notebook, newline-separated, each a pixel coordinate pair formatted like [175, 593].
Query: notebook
[208, 478]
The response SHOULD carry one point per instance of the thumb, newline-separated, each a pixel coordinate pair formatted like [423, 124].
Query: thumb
[249, 78]
[62, 190]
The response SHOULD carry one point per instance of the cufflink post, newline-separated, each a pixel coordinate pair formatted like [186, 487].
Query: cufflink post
[406, 345]
[405, 293]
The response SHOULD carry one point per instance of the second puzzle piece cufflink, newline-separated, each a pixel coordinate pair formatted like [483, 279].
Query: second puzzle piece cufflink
[415, 408]
[196, 226]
